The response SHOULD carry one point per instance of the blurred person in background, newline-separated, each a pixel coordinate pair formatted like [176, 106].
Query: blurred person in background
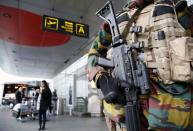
[18, 95]
[43, 103]
[54, 100]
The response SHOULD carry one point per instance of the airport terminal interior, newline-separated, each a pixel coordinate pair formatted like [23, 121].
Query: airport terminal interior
[50, 40]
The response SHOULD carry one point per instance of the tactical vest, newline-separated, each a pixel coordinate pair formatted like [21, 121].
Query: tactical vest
[167, 49]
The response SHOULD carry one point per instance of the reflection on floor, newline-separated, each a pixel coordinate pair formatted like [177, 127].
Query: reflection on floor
[61, 123]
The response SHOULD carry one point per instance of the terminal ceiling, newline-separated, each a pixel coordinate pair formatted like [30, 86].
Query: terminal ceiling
[26, 50]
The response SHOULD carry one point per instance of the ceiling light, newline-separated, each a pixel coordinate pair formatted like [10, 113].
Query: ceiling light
[66, 61]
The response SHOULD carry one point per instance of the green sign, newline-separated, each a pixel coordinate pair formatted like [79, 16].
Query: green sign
[65, 26]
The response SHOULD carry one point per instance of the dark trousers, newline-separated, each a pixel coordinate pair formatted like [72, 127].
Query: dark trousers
[42, 114]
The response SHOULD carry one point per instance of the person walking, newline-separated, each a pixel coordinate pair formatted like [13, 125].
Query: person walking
[43, 103]
[18, 95]
[54, 99]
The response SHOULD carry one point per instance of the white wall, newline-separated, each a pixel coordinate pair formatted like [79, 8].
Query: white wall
[94, 105]
[82, 87]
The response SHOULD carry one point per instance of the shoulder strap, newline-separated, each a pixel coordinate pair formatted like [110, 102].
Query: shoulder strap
[132, 19]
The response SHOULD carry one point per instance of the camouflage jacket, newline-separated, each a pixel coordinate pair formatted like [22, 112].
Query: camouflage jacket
[160, 107]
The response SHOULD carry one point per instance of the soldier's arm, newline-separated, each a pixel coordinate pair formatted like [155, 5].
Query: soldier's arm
[99, 47]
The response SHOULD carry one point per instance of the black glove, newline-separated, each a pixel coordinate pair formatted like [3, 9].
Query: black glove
[111, 89]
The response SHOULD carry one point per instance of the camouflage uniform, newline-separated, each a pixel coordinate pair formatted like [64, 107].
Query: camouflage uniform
[99, 47]
[159, 108]
[166, 107]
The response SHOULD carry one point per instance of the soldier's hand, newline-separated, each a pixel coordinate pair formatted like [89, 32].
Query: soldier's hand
[112, 88]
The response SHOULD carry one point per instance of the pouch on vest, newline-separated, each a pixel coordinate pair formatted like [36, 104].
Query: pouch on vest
[181, 56]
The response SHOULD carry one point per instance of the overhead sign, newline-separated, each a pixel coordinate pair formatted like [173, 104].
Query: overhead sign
[65, 26]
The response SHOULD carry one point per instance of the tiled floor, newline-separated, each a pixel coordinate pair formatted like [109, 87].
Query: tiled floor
[61, 123]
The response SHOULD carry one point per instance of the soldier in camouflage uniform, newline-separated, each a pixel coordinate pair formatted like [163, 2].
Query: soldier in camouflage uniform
[160, 110]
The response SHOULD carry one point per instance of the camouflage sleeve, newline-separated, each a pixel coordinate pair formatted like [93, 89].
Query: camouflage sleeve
[99, 47]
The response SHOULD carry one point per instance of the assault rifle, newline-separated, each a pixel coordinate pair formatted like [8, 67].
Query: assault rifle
[126, 66]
